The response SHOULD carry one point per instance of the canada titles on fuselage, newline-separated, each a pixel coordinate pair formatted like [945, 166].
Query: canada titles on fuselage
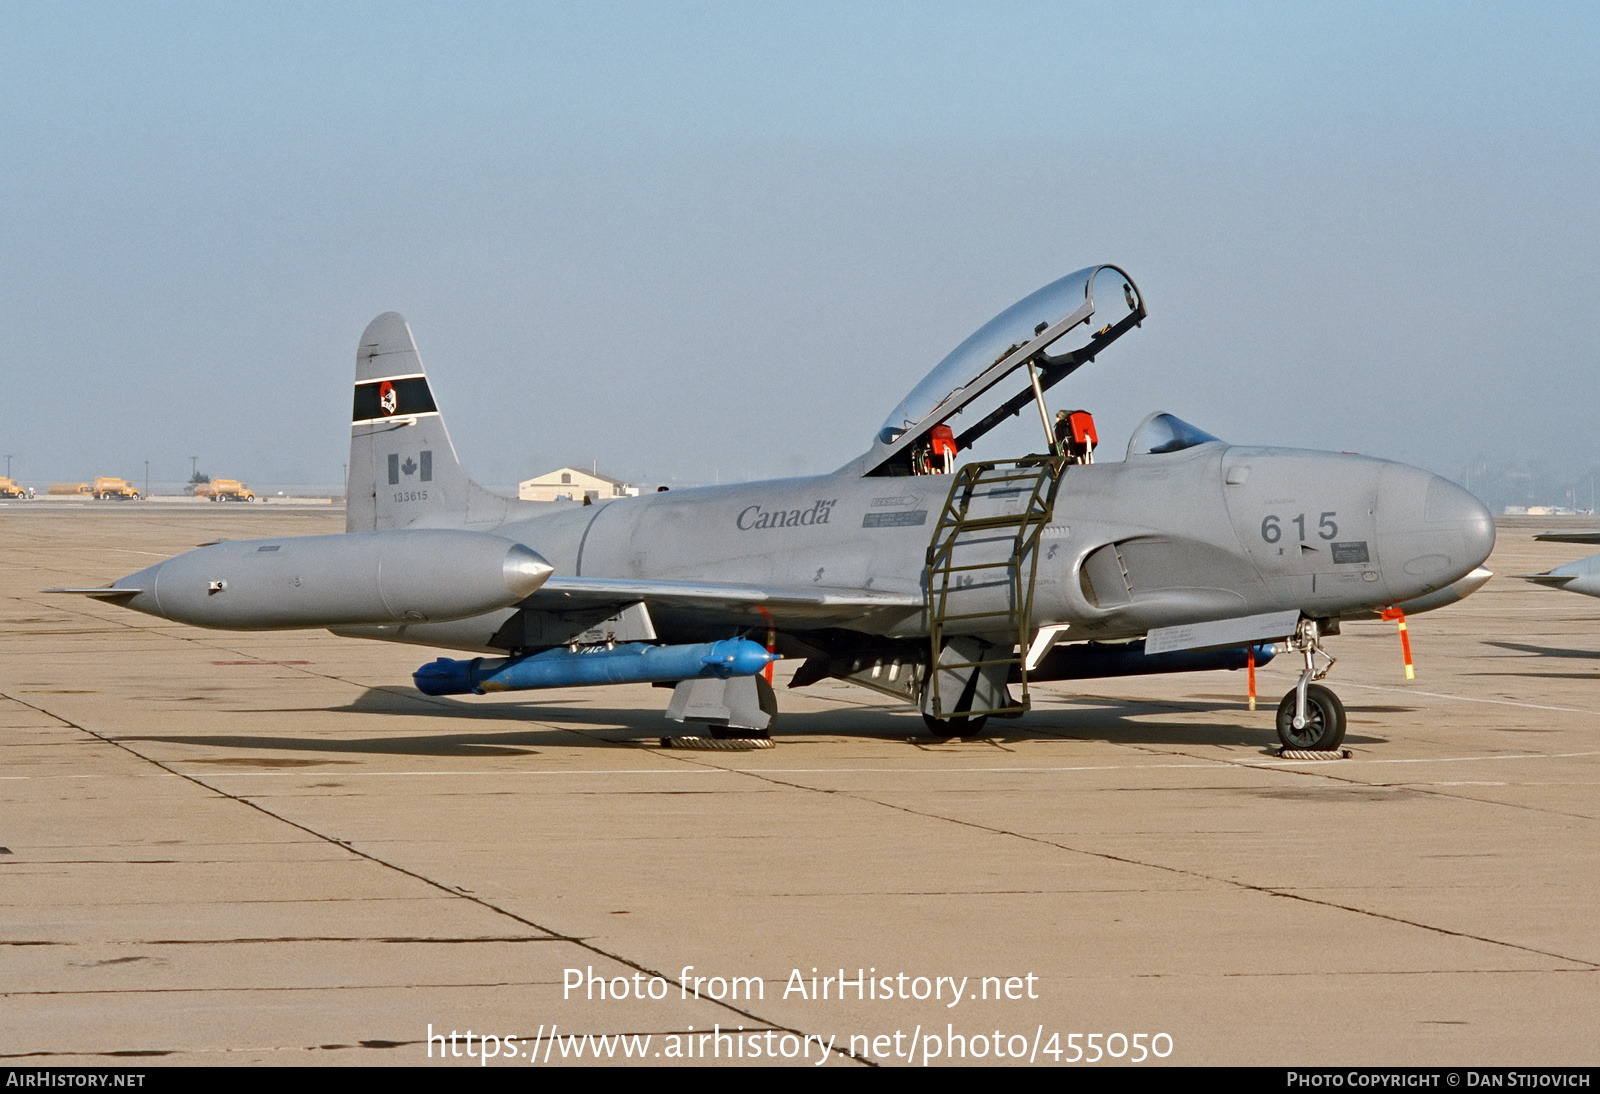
[754, 517]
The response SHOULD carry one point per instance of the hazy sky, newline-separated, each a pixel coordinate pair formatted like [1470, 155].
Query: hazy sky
[701, 241]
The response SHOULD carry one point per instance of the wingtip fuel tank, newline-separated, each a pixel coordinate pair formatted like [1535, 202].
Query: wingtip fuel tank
[324, 581]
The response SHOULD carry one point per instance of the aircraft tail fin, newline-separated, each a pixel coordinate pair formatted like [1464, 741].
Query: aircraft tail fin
[404, 471]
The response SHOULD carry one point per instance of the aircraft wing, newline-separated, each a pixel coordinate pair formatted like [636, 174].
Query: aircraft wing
[814, 605]
[1568, 537]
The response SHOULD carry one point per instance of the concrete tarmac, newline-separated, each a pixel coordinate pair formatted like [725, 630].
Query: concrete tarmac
[227, 848]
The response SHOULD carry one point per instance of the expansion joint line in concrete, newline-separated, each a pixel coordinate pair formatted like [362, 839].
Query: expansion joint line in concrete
[1265, 890]
[555, 936]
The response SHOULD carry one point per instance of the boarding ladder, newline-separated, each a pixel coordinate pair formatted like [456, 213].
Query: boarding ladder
[982, 562]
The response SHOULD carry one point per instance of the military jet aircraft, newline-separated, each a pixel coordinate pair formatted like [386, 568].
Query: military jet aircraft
[1582, 576]
[954, 588]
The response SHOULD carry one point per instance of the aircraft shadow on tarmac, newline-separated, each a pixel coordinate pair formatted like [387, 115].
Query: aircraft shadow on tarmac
[1592, 674]
[1118, 722]
[1548, 651]
[570, 725]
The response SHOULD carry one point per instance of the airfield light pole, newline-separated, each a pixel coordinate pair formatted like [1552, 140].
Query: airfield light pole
[147, 480]
[194, 467]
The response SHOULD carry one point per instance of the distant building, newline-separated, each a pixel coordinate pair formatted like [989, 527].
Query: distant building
[574, 484]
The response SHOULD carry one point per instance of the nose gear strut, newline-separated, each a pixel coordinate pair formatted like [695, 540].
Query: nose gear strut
[1311, 717]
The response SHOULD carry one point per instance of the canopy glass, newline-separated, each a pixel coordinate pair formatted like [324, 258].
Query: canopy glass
[1014, 328]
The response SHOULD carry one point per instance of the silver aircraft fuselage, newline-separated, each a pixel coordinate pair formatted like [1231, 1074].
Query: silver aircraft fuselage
[1214, 531]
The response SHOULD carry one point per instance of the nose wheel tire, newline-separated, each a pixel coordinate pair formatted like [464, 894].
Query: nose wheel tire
[1324, 728]
[965, 728]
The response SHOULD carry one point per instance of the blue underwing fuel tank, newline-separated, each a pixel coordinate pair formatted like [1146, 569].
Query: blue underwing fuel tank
[633, 663]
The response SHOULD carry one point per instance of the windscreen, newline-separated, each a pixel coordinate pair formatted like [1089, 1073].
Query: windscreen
[1162, 433]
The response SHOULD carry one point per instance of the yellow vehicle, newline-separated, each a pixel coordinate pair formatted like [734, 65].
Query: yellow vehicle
[70, 488]
[224, 490]
[10, 489]
[118, 489]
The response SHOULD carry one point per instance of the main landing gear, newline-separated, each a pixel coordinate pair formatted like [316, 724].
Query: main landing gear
[1311, 717]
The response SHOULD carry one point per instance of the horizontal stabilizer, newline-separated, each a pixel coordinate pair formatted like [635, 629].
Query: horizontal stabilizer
[1568, 537]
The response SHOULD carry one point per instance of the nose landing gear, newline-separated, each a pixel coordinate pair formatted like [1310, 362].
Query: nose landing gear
[1311, 717]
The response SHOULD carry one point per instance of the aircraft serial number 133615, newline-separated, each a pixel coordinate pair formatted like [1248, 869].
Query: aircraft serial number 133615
[953, 588]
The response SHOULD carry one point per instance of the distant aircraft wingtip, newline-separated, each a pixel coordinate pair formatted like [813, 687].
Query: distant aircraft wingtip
[1554, 581]
[1568, 537]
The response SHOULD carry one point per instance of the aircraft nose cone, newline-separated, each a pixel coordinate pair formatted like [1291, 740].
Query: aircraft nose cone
[1431, 532]
[525, 570]
[1449, 506]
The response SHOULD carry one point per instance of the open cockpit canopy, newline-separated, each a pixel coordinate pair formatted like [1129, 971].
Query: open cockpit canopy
[1055, 330]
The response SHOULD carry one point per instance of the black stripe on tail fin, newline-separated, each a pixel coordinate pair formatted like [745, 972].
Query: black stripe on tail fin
[400, 397]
